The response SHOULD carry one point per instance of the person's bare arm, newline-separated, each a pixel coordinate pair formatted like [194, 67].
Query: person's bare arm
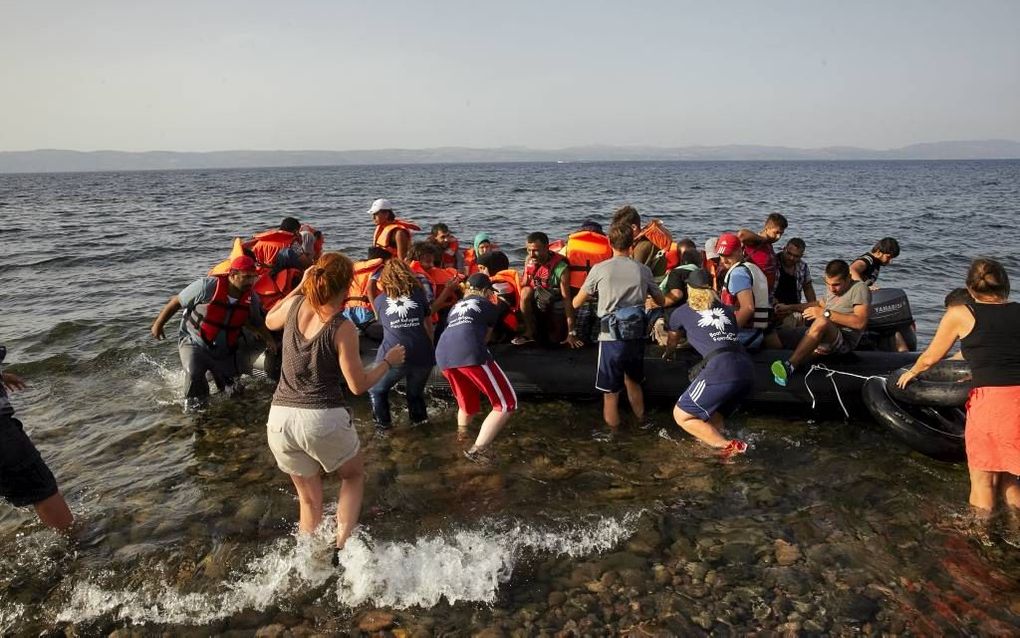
[568, 310]
[809, 293]
[749, 237]
[402, 238]
[579, 298]
[857, 268]
[745, 313]
[169, 310]
[358, 379]
[955, 323]
[656, 293]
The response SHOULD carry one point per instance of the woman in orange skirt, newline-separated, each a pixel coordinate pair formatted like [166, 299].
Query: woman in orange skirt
[989, 334]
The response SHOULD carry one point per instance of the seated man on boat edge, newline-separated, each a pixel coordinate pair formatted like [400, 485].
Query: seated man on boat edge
[546, 297]
[836, 325]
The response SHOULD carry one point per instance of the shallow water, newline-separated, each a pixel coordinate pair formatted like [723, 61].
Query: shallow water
[187, 525]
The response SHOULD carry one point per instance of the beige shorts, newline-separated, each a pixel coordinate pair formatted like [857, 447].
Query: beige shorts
[304, 440]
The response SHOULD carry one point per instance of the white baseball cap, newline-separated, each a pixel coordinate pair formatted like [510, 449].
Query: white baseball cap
[710, 252]
[380, 204]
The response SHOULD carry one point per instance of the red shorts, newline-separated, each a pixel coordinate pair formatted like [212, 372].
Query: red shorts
[993, 429]
[468, 384]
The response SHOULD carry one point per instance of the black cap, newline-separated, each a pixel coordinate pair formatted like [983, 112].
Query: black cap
[699, 279]
[494, 261]
[479, 281]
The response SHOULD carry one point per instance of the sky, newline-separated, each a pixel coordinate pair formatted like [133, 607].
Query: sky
[337, 75]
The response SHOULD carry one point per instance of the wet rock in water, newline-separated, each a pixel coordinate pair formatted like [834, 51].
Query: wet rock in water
[624, 560]
[491, 632]
[854, 607]
[786, 553]
[271, 631]
[251, 510]
[739, 553]
[790, 629]
[703, 620]
[697, 571]
[375, 620]
[813, 626]
[556, 598]
[661, 575]
[583, 573]
[636, 578]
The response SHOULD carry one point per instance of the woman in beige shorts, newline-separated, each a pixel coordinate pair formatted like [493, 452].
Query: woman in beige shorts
[310, 428]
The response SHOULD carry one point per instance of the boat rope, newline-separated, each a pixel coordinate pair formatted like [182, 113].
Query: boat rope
[831, 376]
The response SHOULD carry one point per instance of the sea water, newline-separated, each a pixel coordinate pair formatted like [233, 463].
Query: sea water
[824, 526]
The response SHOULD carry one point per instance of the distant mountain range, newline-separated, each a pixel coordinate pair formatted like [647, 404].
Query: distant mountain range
[45, 161]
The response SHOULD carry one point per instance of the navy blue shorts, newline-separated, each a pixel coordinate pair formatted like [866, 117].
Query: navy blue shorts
[619, 358]
[721, 386]
[24, 477]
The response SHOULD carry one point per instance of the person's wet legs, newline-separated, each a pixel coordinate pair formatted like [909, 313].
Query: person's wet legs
[705, 431]
[417, 379]
[982, 490]
[379, 396]
[636, 397]
[352, 490]
[54, 512]
[309, 489]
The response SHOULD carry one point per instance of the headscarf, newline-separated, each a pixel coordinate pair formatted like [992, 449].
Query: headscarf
[480, 238]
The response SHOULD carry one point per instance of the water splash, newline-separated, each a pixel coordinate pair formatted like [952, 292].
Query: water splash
[462, 565]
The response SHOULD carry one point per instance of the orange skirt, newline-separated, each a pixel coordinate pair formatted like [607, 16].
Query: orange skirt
[993, 429]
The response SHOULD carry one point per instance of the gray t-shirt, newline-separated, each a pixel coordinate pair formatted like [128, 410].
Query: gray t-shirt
[619, 282]
[858, 294]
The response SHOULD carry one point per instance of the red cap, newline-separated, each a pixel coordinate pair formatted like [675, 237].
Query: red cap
[728, 244]
[242, 263]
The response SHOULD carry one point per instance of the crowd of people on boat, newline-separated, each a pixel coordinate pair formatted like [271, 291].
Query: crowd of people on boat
[432, 302]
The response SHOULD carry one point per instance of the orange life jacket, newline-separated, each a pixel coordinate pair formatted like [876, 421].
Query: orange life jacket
[272, 288]
[223, 268]
[219, 314]
[470, 262]
[439, 278]
[507, 285]
[656, 233]
[584, 249]
[266, 245]
[540, 275]
[360, 293]
[557, 246]
[385, 235]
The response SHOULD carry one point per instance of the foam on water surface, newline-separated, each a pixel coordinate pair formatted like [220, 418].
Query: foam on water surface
[466, 565]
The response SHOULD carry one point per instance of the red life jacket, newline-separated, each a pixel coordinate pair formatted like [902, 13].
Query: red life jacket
[265, 246]
[764, 257]
[672, 256]
[540, 275]
[385, 236]
[219, 314]
[449, 258]
[272, 288]
[360, 293]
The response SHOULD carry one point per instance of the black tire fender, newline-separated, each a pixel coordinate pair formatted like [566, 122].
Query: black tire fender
[937, 433]
[945, 384]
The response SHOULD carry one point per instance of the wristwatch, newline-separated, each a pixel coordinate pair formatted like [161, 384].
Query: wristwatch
[826, 313]
[573, 333]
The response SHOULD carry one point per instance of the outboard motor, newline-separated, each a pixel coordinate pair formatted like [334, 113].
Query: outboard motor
[890, 315]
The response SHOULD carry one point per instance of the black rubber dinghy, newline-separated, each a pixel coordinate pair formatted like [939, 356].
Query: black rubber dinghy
[933, 431]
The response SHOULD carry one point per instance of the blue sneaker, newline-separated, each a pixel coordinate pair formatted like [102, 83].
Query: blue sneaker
[781, 372]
